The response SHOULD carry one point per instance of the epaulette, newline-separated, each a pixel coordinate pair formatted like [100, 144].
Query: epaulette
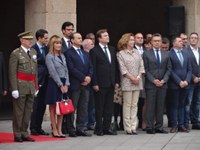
[17, 49]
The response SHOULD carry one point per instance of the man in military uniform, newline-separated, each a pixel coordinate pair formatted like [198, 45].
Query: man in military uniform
[23, 83]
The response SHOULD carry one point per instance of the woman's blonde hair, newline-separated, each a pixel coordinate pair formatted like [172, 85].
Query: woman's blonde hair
[122, 43]
[54, 39]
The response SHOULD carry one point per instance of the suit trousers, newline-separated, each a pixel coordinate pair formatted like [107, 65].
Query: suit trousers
[39, 108]
[104, 108]
[155, 107]
[177, 103]
[80, 99]
[130, 100]
[22, 108]
[192, 106]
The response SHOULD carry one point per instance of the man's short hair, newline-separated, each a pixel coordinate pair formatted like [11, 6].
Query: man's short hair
[99, 32]
[66, 24]
[40, 33]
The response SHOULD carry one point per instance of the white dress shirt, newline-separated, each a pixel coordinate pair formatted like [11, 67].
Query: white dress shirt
[196, 53]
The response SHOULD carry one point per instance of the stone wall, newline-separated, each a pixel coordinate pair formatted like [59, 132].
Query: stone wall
[49, 14]
[192, 14]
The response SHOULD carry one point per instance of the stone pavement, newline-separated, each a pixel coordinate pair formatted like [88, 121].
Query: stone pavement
[142, 141]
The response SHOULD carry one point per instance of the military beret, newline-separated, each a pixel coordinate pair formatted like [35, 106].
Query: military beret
[26, 35]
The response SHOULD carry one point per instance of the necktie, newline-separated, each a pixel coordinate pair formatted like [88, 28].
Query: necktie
[68, 44]
[158, 57]
[180, 57]
[28, 52]
[43, 52]
[81, 55]
[105, 49]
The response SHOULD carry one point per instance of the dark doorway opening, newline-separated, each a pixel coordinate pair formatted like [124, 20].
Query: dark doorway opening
[121, 16]
[12, 15]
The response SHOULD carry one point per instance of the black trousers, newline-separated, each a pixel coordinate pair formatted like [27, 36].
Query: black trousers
[39, 108]
[104, 108]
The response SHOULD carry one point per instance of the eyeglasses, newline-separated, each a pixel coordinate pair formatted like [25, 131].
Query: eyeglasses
[69, 29]
[194, 38]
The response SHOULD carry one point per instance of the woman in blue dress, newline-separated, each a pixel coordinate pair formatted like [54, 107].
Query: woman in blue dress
[58, 82]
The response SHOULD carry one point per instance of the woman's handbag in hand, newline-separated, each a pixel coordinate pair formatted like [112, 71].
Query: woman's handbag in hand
[64, 107]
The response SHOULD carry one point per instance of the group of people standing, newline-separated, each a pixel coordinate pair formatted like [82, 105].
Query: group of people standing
[70, 67]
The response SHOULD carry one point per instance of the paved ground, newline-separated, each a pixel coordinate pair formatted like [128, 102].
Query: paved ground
[143, 141]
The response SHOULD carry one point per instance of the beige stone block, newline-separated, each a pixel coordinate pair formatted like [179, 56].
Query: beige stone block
[55, 21]
[198, 7]
[190, 23]
[49, 14]
[188, 4]
[61, 6]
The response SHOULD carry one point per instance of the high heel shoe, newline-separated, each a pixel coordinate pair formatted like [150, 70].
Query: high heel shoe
[56, 136]
[129, 133]
[62, 136]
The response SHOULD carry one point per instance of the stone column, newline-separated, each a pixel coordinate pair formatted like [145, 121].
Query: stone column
[49, 15]
[192, 14]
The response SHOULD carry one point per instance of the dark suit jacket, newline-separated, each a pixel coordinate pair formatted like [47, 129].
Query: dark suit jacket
[64, 46]
[77, 69]
[144, 49]
[153, 71]
[3, 74]
[178, 72]
[195, 66]
[42, 68]
[105, 73]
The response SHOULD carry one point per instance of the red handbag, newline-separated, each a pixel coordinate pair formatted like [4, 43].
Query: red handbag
[64, 107]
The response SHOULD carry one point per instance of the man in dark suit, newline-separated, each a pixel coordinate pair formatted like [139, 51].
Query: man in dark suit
[39, 106]
[139, 40]
[104, 80]
[3, 76]
[178, 84]
[67, 29]
[193, 101]
[80, 73]
[157, 68]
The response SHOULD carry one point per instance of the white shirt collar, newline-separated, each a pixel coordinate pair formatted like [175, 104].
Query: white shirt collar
[194, 49]
[40, 46]
[25, 49]
[66, 40]
[102, 46]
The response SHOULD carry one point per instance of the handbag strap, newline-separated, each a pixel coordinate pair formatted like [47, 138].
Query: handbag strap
[65, 100]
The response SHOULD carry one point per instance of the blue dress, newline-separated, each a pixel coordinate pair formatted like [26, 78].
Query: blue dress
[53, 93]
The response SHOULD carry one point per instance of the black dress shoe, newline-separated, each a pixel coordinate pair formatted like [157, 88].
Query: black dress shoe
[26, 138]
[18, 139]
[83, 133]
[173, 130]
[42, 132]
[34, 132]
[144, 129]
[182, 129]
[98, 133]
[196, 127]
[108, 132]
[150, 131]
[161, 131]
[72, 134]
[90, 128]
